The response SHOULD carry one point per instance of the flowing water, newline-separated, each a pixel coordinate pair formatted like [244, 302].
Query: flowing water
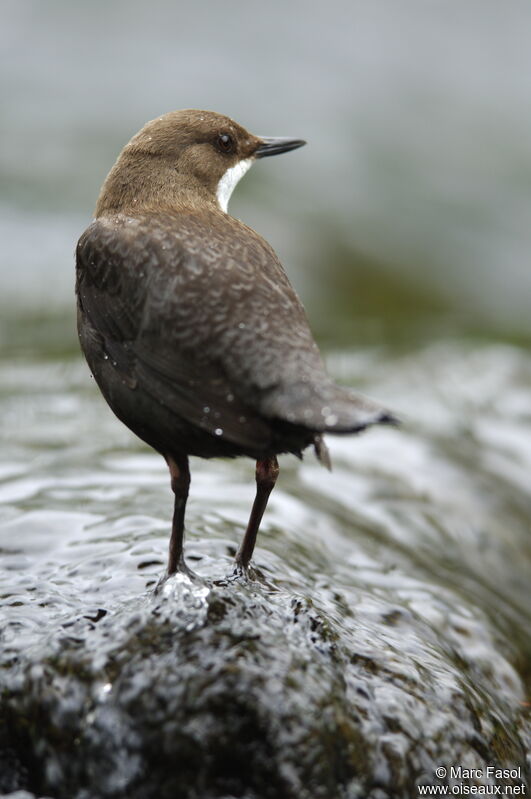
[385, 631]
[407, 569]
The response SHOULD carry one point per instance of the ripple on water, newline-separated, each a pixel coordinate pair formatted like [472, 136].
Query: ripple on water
[410, 561]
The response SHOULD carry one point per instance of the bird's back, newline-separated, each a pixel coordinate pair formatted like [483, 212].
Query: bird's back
[198, 340]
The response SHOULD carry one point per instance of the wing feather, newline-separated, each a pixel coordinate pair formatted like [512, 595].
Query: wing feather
[199, 311]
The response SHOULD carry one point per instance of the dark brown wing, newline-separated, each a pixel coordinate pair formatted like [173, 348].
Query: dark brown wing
[199, 311]
[138, 316]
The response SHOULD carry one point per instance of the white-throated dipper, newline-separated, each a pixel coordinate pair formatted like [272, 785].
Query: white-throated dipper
[188, 321]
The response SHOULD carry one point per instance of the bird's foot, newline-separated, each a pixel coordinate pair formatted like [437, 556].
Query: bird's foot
[182, 570]
[248, 573]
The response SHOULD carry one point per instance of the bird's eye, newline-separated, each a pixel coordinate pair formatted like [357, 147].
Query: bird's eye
[225, 143]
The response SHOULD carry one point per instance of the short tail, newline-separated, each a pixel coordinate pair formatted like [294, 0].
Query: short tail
[322, 452]
[327, 409]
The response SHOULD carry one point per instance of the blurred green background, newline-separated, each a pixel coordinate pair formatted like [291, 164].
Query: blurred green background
[405, 227]
[405, 219]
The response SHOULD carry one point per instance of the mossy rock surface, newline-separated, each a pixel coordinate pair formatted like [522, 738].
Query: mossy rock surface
[241, 690]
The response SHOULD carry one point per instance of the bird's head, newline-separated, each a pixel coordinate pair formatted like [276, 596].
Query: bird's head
[184, 159]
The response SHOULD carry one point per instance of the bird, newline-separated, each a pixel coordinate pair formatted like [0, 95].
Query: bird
[189, 323]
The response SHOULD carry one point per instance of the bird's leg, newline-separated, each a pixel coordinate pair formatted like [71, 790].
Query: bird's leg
[180, 483]
[266, 477]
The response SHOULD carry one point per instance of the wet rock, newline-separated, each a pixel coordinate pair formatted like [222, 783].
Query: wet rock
[388, 637]
[242, 689]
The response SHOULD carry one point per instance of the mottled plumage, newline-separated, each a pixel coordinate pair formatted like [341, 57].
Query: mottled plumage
[187, 319]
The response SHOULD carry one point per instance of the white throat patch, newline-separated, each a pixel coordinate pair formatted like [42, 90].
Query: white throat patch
[229, 180]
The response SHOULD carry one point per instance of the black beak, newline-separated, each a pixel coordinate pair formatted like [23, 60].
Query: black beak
[270, 146]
